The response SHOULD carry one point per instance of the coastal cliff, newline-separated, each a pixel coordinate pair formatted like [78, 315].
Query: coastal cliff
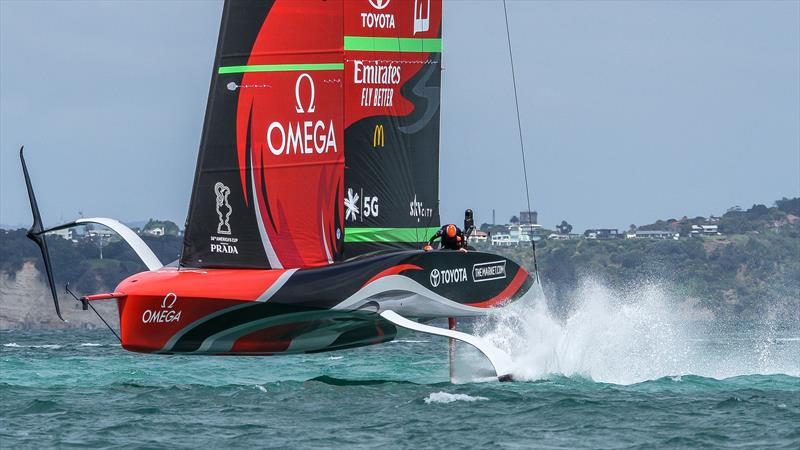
[26, 303]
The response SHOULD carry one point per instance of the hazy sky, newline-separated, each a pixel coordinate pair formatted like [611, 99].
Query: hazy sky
[631, 111]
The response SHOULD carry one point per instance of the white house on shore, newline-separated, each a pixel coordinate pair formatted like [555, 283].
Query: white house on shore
[529, 229]
[478, 237]
[563, 237]
[66, 233]
[705, 230]
[502, 240]
[100, 232]
[654, 234]
[155, 231]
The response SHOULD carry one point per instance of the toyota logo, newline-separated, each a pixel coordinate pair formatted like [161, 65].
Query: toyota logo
[435, 277]
[379, 4]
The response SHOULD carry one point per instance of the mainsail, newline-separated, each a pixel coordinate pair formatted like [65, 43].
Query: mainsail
[392, 51]
[321, 133]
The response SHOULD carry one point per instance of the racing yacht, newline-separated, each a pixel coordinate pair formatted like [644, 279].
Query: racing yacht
[316, 187]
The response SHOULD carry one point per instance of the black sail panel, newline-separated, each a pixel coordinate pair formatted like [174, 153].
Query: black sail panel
[217, 211]
[270, 171]
[392, 91]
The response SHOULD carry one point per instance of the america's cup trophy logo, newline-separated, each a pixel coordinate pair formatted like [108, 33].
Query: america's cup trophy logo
[224, 209]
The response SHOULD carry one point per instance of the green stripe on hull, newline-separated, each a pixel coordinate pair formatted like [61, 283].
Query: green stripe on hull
[386, 44]
[280, 68]
[421, 234]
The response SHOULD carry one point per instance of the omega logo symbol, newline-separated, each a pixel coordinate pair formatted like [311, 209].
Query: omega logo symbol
[297, 93]
[169, 301]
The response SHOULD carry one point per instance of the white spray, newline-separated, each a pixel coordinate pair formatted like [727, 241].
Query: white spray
[632, 336]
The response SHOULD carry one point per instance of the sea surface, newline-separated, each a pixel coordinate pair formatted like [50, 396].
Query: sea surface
[618, 371]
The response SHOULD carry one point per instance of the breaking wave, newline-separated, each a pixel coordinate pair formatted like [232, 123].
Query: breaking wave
[630, 336]
[446, 397]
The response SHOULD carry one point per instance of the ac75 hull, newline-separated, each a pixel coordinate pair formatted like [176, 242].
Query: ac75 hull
[265, 312]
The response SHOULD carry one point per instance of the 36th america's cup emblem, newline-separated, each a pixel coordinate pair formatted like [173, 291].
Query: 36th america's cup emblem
[224, 209]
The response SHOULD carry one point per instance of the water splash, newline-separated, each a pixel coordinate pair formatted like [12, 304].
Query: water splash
[629, 336]
[446, 397]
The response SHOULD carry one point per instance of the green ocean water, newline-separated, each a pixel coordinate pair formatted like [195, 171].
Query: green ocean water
[611, 374]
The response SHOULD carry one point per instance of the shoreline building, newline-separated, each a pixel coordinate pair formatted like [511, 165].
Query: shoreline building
[603, 234]
[528, 217]
[654, 234]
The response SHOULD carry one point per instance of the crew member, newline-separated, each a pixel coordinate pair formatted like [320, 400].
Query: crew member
[451, 236]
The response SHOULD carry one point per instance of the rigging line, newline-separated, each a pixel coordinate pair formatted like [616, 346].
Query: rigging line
[95, 311]
[521, 143]
[435, 210]
[430, 220]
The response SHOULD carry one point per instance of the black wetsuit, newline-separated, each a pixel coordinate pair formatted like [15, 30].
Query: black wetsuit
[450, 243]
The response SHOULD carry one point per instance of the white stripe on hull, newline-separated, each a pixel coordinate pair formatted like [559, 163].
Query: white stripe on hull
[408, 298]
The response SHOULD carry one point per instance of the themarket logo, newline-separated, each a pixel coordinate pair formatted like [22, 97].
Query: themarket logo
[495, 270]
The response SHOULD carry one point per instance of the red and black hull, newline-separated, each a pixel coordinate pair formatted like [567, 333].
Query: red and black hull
[264, 312]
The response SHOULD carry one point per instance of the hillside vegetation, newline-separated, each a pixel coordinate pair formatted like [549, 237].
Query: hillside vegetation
[752, 270]
[733, 276]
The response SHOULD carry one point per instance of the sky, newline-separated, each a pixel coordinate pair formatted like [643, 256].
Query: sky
[631, 111]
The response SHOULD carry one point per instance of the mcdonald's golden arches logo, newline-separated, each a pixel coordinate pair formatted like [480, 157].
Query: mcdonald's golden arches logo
[378, 137]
